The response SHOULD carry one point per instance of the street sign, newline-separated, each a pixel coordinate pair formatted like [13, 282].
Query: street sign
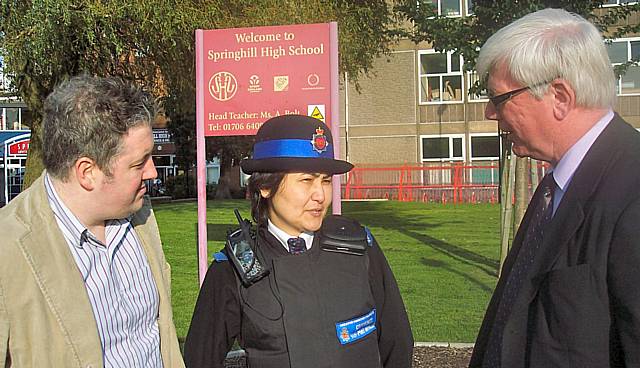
[19, 148]
[161, 135]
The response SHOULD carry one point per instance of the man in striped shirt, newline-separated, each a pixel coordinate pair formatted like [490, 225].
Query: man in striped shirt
[83, 280]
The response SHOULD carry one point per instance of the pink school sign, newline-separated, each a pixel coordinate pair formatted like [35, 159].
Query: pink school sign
[244, 76]
[252, 74]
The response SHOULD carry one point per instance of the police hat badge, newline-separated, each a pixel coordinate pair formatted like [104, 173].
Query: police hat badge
[319, 140]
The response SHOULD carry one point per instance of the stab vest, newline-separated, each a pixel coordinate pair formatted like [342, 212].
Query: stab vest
[290, 317]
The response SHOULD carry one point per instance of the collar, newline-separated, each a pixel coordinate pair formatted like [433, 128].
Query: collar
[73, 226]
[77, 231]
[568, 164]
[283, 236]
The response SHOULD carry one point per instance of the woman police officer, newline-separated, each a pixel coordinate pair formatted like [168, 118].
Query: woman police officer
[329, 299]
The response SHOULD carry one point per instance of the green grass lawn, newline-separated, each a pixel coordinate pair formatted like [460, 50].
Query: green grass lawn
[445, 258]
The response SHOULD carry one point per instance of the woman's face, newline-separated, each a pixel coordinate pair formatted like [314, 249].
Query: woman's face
[300, 203]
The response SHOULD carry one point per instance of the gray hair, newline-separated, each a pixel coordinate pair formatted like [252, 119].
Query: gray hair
[87, 116]
[549, 44]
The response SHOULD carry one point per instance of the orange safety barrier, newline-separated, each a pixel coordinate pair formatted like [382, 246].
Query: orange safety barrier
[443, 183]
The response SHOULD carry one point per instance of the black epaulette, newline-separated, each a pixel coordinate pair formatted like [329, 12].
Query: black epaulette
[343, 235]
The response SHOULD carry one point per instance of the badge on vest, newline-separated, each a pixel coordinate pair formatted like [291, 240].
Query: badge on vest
[357, 328]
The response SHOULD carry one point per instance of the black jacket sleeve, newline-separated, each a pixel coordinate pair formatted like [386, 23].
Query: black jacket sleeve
[216, 319]
[394, 332]
[623, 279]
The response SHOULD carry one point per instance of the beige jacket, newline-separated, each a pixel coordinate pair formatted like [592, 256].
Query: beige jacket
[46, 318]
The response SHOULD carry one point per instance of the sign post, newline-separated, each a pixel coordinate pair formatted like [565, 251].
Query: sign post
[245, 76]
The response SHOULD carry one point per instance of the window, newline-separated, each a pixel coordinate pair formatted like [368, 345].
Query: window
[472, 77]
[469, 7]
[621, 51]
[159, 161]
[485, 146]
[12, 116]
[618, 2]
[440, 77]
[442, 148]
[450, 8]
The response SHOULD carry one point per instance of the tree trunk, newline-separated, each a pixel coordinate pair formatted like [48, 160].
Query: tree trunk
[506, 204]
[223, 190]
[521, 190]
[34, 165]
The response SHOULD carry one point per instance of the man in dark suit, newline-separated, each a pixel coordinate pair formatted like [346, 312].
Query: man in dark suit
[569, 293]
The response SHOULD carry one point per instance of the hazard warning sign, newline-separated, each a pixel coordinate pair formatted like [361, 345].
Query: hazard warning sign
[316, 111]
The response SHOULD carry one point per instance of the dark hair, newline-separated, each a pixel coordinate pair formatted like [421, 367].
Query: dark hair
[259, 205]
[88, 116]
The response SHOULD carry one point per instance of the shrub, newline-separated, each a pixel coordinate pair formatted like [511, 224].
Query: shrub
[177, 186]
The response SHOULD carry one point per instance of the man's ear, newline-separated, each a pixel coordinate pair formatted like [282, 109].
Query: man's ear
[86, 170]
[564, 98]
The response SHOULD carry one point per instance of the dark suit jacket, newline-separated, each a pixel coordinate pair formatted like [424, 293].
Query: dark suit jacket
[580, 306]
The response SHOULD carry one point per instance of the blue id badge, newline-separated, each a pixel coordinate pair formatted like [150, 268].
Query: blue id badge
[357, 328]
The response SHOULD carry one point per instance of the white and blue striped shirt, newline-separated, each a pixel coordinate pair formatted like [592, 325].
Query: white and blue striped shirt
[119, 284]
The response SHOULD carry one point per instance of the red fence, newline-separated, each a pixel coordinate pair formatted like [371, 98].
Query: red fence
[456, 182]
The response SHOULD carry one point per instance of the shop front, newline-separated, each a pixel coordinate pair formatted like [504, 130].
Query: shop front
[13, 159]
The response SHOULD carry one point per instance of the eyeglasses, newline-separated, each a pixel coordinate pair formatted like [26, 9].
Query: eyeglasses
[504, 97]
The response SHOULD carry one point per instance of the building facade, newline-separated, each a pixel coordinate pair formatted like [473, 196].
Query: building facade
[415, 108]
[15, 136]
[14, 139]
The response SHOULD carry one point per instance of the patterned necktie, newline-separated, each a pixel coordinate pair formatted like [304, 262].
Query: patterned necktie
[543, 211]
[296, 245]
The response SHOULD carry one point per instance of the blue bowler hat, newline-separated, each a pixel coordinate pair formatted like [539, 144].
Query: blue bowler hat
[294, 143]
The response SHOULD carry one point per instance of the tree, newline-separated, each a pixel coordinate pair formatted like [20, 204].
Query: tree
[365, 31]
[47, 41]
[465, 35]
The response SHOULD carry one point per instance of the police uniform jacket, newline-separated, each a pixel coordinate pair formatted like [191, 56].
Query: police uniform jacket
[317, 309]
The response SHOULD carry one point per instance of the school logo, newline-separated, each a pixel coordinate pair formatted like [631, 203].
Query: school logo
[281, 83]
[223, 86]
[254, 84]
[319, 141]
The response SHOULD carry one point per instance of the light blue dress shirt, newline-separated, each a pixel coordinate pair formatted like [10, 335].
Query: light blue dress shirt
[570, 161]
